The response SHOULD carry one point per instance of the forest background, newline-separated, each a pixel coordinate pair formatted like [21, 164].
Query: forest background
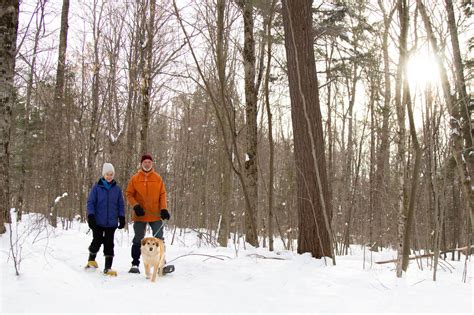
[204, 87]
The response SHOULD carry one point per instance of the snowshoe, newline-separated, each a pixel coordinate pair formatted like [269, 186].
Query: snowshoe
[91, 264]
[168, 269]
[110, 272]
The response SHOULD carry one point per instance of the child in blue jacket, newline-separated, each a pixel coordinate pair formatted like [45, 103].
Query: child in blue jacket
[105, 212]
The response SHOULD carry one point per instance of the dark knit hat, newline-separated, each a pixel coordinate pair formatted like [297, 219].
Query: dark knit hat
[146, 157]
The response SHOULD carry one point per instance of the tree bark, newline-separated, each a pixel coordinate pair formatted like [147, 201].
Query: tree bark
[314, 204]
[8, 33]
[402, 7]
[410, 211]
[251, 91]
[96, 110]
[463, 105]
[460, 83]
[59, 104]
[270, 126]
[407, 212]
[147, 80]
[382, 176]
[226, 164]
[135, 66]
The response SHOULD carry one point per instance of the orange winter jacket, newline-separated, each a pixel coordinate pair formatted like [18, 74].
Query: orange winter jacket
[148, 190]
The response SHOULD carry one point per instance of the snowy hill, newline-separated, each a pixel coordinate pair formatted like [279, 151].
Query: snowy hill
[214, 279]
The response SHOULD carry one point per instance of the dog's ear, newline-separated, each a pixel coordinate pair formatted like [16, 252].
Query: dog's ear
[143, 242]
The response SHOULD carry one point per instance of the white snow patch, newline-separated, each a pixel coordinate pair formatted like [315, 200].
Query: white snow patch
[215, 279]
[60, 197]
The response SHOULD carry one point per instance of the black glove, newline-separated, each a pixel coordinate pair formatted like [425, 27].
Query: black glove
[164, 214]
[121, 222]
[139, 210]
[91, 221]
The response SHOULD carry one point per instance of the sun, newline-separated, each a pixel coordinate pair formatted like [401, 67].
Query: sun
[422, 70]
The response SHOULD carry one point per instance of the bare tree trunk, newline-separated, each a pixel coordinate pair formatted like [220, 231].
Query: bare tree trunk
[409, 214]
[251, 91]
[135, 65]
[8, 34]
[59, 104]
[70, 172]
[95, 111]
[460, 82]
[463, 105]
[438, 217]
[224, 229]
[225, 204]
[115, 128]
[147, 80]
[82, 161]
[271, 145]
[349, 155]
[402, 194]
[372, 174]
[382, 176]
[314, 204]
[329, 127]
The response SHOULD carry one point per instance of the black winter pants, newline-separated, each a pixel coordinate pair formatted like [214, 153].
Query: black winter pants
[103, 235]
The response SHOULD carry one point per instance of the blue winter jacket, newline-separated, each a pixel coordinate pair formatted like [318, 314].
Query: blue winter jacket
[106, 204]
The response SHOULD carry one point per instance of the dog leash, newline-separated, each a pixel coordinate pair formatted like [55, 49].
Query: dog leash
[161, 227]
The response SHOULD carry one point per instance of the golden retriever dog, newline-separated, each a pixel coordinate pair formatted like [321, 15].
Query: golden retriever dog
[153, 255]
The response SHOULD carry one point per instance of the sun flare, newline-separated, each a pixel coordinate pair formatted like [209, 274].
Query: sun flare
[422, 70]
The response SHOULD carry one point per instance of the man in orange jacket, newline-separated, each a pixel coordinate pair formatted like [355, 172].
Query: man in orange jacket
[146, 193]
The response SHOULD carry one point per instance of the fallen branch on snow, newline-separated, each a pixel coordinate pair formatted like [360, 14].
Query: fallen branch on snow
[264, 257]
[209, 256]
[464, 250]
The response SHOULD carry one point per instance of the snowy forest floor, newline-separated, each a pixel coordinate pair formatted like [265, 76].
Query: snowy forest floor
[212, 279]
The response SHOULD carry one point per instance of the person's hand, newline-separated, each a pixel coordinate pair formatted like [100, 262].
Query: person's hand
[91, 221]
[139, 210]
[164, 214]
[121, 222]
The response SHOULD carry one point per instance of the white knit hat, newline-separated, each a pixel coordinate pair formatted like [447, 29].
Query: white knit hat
[107, 167]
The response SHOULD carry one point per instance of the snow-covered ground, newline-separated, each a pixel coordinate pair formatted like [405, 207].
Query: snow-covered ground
[215, 279]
